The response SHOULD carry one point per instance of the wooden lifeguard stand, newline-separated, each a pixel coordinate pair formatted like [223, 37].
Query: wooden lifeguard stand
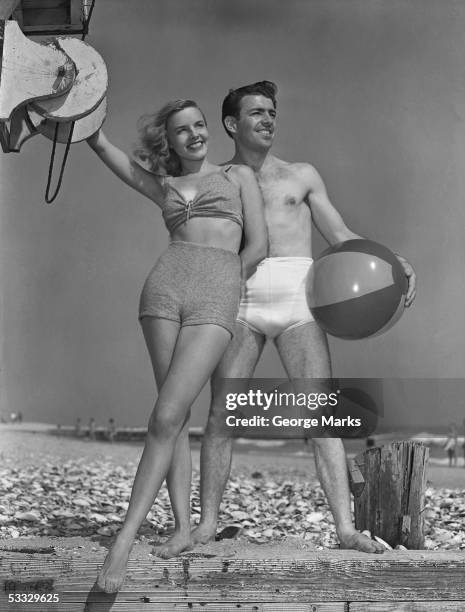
[53, 87]
[49, 17]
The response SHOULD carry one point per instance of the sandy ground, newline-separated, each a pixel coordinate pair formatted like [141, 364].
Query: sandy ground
[32, 448]
[26, 448]
[22, 448]
[81, 547]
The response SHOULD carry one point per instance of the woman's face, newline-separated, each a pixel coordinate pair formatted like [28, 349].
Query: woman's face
[188, 134]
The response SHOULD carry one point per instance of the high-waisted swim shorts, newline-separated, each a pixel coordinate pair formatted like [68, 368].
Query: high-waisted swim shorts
[193, 285]
[275, 299]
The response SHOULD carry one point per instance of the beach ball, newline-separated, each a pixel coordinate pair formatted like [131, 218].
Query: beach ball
[356, 289]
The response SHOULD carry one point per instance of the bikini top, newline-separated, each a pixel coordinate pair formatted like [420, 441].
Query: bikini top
[217, 196]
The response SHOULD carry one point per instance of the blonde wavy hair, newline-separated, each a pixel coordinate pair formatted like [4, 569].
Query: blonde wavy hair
[153, 148]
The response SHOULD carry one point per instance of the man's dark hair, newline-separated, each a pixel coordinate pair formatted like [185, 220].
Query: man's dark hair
[232, 103]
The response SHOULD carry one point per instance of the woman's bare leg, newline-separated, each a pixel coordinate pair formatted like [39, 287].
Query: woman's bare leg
[186, 376]
[178, 481]
[160, 344]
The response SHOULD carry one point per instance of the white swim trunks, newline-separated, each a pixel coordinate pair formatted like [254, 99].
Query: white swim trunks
[275, 298]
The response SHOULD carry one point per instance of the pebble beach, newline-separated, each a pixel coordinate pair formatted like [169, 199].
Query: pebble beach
[52, 486]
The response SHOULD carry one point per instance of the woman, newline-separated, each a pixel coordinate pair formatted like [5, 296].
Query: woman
[189, 301]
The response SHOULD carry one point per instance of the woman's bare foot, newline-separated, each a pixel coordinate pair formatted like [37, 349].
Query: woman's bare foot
[113, 572]
[203, 533]
[355, 540]
[175, 545]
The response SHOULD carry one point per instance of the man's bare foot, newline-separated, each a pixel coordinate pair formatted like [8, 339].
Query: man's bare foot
[203, 533]
[355, 540]
[175, 545]
[113, 572]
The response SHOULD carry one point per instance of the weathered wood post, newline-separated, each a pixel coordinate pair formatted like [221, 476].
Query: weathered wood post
[390, 504]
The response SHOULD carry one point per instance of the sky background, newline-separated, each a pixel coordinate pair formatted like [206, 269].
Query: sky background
[370, 92]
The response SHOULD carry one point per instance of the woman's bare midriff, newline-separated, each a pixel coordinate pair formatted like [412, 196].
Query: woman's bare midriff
[210, 231]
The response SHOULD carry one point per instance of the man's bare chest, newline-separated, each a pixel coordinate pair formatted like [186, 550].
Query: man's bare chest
[282, 194]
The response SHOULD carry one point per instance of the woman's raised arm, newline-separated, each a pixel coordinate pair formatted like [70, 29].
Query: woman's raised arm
[126, 168]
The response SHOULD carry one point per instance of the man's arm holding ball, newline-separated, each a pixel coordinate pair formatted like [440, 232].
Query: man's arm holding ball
[331, 225]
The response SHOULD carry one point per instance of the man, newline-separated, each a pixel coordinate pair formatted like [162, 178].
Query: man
[463, 445]
[91, 428]
[294, 196]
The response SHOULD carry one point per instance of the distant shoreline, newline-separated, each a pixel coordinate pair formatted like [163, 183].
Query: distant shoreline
[434, 440]
[28, 445]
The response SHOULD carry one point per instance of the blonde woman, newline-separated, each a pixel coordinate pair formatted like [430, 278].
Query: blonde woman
[189, 301]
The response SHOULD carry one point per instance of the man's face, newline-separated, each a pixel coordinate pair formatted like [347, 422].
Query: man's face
[256, 124]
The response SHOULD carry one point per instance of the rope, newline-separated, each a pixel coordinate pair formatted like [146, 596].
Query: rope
[49, 199]
[85, 24]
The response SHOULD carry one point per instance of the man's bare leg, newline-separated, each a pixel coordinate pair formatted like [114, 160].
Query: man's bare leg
[239, 361]
[304, 353]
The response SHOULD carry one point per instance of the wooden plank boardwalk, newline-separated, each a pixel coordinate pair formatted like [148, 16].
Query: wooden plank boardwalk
[320, 581]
